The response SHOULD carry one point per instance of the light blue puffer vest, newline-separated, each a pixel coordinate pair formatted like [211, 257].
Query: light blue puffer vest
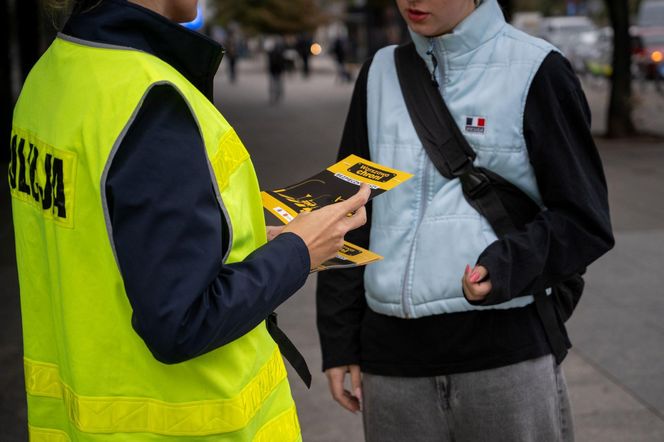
[425, 229]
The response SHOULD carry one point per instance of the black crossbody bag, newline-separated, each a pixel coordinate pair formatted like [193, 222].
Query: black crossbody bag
[505, 206]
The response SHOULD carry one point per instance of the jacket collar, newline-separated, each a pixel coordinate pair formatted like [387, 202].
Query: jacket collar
[125, 24]
[479, 27]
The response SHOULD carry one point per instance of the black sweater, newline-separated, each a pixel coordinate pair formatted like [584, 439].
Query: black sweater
[573, 232]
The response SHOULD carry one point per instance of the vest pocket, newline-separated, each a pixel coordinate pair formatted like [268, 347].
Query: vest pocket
[444, 246]
[384, 279]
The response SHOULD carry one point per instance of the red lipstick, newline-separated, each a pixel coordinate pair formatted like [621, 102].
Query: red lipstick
[416, 15]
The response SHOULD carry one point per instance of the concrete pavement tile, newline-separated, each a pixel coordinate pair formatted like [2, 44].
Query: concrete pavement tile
[592, 393]
[634, 183]
[321, 418]
[619, 324]
[645, 96]
[604, 411]
[620, 426]
[627, 350]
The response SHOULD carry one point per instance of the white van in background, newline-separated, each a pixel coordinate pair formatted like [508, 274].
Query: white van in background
[565, 31]
[651, 14]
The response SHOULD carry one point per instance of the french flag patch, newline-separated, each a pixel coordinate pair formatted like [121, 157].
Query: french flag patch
[475, 125]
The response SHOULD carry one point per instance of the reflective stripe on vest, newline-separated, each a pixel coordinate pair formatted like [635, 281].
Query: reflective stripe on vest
[285, 427]
[136, 415]
[37, 434]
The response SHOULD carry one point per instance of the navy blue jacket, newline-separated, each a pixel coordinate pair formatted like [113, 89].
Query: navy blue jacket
[169, 232]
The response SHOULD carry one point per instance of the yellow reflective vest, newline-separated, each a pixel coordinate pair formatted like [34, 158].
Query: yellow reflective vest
[89, 376]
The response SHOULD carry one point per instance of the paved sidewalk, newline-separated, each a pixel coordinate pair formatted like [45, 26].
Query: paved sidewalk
[616, 370]
[647, 99]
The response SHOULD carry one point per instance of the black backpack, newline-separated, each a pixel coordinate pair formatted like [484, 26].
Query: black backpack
[504, 205]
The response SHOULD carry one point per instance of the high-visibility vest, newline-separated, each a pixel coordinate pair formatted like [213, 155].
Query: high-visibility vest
[89, 376]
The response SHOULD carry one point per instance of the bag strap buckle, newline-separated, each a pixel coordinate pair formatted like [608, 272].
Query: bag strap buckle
[474, 183]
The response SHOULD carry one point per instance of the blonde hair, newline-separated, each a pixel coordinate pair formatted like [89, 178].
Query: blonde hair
[60, 10]
[70, 6]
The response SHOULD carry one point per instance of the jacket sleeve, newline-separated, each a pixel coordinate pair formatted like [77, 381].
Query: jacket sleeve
[340, 298]
[170, 237]
[575, 228]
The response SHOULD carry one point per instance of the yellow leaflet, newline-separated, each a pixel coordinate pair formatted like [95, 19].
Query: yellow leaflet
[364, 171]
[284, 213]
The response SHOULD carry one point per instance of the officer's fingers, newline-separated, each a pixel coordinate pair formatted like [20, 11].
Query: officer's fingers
[356, 201]
[273, 231]
[358, 219]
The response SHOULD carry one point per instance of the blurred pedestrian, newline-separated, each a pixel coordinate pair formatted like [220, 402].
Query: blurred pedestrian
[303, 47]
[276, 66]
[146, 279]
[339, 49]
[438, 350]
[231, 47]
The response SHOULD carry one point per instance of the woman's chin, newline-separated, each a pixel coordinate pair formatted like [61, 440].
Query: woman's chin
[425, 29]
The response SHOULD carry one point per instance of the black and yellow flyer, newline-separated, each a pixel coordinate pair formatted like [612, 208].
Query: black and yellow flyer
[332, 185]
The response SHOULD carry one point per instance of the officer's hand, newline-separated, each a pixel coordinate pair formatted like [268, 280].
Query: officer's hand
[336, 377]
[476, 285]
[273, 231]
[323, 230]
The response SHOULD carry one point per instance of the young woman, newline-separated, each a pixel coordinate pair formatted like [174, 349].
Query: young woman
[438, 351]
[144, 271]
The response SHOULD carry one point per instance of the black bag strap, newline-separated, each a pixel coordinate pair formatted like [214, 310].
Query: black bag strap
[453, 156]
[288, 349]
[443, 142]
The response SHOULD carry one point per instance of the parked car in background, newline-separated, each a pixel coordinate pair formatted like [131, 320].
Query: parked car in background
[528, 22]
[651, 14]
[650, 31]
[564, 32]
[649, 56]
[591, 52]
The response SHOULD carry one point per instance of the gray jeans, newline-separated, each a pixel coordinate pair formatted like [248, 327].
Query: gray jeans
[518, 403]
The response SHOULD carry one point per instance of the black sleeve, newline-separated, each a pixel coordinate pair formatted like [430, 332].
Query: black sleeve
[170, 237]
[340, 302]
[575, 228]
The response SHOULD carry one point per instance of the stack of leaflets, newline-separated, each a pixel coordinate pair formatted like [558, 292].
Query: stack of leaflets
[332, 185]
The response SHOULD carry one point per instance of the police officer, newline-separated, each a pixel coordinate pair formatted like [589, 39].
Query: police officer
[144, 270]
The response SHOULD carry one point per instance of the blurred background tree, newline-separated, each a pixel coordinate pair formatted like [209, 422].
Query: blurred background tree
[619, 118]
[271, 16]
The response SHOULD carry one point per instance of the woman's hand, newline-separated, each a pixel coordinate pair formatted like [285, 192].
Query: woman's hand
[336, 378]
[476, 284]
[323, 230]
